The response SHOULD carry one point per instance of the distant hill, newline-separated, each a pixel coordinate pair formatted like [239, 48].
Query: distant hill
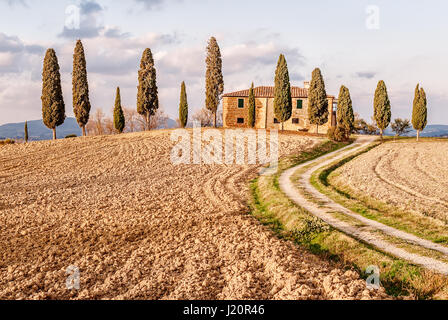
[170, 124]
[434, 130]
[38, 131]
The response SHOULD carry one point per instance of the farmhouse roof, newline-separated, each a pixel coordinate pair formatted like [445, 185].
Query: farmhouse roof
[268, 92]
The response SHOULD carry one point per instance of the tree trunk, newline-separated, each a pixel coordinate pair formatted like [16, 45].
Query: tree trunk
[418, 135]
[381, 134]
[283, 126]
[84, 131]
[148, 121]
[215, 125]
[54, 134]
[317, 129]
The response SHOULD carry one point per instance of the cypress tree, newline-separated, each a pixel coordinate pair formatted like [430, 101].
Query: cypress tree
[345, 116]
[183, 106]
[214, 81]
[251, 115]
[26, 131]
[81, 102]
[317, 100]
[419, 111]
[119, 120]
[147, 96]
[282, 92]
[53, 107]
[382, 109]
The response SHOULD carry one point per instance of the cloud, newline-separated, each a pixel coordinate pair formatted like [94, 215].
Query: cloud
[115, 32]
[366, 74]
[150, 4]
[252, 55]
[116, 54]
[20, 97]
[13, 3]
[90, 7]
[16, 55]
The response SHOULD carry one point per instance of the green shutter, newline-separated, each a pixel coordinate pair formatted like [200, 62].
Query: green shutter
[299, 104]
[241, 103]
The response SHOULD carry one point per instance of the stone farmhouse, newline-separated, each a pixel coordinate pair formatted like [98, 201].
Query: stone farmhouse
[235, 110]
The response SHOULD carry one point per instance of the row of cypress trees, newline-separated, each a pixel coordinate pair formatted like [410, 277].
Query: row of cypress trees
[53, 106]
[383, 113]
[318, 109]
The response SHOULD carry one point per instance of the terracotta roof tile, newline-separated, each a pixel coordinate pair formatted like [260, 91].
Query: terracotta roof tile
[268, 92]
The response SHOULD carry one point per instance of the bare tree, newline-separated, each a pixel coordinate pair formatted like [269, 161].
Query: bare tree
[95, 127]
[204, 117]
[136, 122]
[108, 127]
[99, 124]
[159, 120]
[133, 120]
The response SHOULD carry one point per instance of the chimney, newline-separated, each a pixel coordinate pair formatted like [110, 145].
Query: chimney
[306, 84]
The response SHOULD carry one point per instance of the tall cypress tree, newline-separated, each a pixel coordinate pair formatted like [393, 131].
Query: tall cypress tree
[183, 106]
[26, 131]
[345, 116]
[382, 109]
[419, 111]
[282, 92]
[81, 102]
[53, 107]
[251, 115]
[317, 100]
[147, 96]
[214, 81]
[119, 120]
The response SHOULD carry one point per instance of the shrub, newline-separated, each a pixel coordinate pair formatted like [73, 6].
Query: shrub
[71, 136]
[7, 141]
[311, 229]
[338, 134]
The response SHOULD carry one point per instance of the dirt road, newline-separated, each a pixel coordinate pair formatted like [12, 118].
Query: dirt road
[367, 231]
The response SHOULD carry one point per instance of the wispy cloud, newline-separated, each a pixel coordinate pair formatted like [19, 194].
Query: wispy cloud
[13, 3]
[366, 74]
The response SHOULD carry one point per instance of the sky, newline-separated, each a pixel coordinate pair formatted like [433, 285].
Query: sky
[355, 43]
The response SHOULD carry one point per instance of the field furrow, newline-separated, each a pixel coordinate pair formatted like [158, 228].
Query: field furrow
[139, 227]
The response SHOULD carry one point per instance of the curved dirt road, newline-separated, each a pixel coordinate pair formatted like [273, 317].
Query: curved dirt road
[366, 232]
[138, 227]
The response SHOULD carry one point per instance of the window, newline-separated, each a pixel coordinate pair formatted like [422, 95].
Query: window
[241, 103]
[295, 120]
[299, 104]
[276, 120]
[240, 120]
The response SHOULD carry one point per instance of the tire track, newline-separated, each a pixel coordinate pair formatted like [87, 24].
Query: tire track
[402, 187]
